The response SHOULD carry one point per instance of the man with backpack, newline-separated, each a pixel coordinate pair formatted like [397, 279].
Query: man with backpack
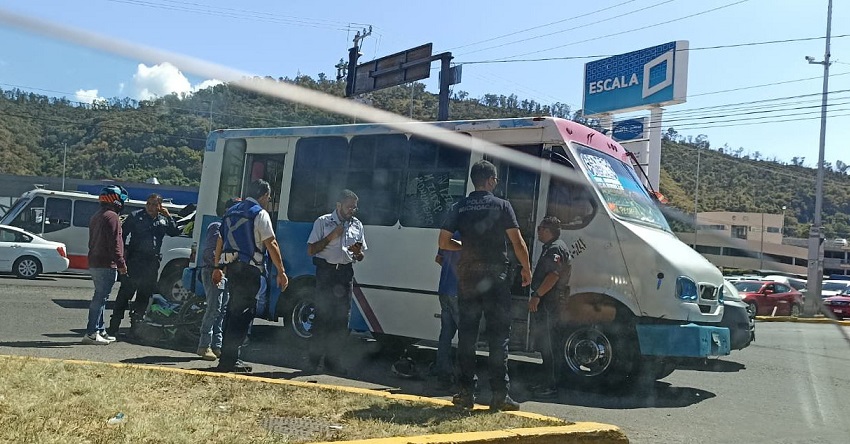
[246, 234]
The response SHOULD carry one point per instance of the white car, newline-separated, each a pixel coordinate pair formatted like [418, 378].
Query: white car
[28, 255]
[832, 287]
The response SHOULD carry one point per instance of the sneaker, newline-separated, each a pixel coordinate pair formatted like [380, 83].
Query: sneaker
[505, 404]
[463, 399]
[545, 392]
[207, 354]
[95, 339]
[107, 336]
[217, 352]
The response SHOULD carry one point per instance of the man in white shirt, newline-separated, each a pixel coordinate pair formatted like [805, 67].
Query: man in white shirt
[336, 242]
[246, 234]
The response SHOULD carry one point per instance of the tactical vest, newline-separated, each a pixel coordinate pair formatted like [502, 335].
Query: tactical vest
[237, 231]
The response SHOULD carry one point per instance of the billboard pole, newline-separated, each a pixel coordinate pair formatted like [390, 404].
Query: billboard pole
[654, 155]
[445, 82]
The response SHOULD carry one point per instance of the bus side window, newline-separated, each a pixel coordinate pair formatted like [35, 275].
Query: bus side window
[31, 217]
[57, 214]
[83, 211]
[571, 202]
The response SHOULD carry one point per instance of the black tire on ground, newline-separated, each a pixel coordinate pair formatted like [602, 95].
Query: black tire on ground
[600, 356]
[393, 345]
[171, 285]
[27, 267]
[189, 321]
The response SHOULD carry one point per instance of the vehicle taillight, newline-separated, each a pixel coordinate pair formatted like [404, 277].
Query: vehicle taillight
[61, 251]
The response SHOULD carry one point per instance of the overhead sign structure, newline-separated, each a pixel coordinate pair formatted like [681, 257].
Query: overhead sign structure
[396, 69]
[656, 76]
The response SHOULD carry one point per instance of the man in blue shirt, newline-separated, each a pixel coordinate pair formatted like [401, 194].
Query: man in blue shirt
[484, 222]
[145, 229]
[449, 315]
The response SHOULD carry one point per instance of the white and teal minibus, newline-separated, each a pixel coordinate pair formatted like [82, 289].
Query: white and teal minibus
[639, 297]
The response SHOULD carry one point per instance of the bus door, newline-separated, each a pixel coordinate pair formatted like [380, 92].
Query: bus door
[520, 187]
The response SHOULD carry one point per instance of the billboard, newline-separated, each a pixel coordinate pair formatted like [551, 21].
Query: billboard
[655, 76]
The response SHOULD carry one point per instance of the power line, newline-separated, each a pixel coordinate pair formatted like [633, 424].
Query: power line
[598, 56]
[237, 13]
[634, 29]
[553, 23]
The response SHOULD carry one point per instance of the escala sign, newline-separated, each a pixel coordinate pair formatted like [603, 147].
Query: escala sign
[637, 80]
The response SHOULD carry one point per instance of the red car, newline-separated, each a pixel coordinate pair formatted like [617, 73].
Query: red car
[839, 304]
[762, 297]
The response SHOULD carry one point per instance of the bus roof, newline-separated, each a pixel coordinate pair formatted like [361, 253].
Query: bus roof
[569, 131]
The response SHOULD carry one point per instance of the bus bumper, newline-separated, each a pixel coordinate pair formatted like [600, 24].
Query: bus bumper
[689, 340]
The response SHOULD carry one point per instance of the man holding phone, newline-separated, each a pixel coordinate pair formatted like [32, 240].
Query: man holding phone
[336, 242]
[143, 231]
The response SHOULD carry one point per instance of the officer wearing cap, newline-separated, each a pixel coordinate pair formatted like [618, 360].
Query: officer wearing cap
[550, 283]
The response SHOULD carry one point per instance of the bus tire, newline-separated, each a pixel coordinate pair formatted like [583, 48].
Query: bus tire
[300, 313]
[599, 355]
[171, 282]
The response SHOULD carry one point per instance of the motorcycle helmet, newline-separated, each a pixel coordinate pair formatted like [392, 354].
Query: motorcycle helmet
[114, 195]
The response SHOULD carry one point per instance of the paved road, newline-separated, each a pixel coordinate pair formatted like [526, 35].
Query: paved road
[788, 387]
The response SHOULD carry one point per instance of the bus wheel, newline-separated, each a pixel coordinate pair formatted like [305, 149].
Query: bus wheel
[303, 313]
[599, 355]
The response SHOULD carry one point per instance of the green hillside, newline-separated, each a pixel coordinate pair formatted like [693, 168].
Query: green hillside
[164, 138]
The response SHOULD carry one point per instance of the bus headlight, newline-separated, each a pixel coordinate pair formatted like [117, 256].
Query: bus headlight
[686, 289]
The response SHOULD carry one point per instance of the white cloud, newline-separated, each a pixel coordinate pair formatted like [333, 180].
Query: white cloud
[162, 80]
[87, 95]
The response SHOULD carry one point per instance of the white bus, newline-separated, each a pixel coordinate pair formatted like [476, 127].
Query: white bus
[63, 216]
[638, 297]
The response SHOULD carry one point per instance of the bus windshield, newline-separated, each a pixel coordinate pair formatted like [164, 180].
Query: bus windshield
[621, 190]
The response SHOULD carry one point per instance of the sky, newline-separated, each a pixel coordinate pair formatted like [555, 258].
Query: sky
[742, 92]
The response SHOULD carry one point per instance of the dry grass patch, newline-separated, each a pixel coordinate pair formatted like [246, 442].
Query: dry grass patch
[58, 402]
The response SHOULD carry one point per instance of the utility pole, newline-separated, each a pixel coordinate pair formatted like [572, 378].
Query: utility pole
[815, 256]
[696, 203]
[353, 56]
[64, 158]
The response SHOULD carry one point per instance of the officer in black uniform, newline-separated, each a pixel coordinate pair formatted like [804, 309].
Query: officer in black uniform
[145, 229]
[550, 283]
[484, 221]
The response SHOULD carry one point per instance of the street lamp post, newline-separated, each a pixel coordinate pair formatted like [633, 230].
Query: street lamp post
[761, 248]
[815, 264]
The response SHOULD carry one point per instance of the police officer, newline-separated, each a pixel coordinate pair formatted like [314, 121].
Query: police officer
[145, 229]
[550, 283]
[336, 242]
[484, 221]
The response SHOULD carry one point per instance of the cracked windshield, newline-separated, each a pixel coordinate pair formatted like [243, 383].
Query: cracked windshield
[615, 221]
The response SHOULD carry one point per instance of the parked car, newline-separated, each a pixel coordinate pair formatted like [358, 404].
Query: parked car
[763, 297]
[797, 284]
[28, 255]
[838, 305]
[833, 287]
[736, 317]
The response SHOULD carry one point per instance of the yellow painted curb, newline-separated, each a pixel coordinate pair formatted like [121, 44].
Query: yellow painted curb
[802, 320]
[583, 432]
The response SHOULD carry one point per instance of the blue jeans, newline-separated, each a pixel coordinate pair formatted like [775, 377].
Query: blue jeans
[104, 280]
[448, 327]
[213, 323]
